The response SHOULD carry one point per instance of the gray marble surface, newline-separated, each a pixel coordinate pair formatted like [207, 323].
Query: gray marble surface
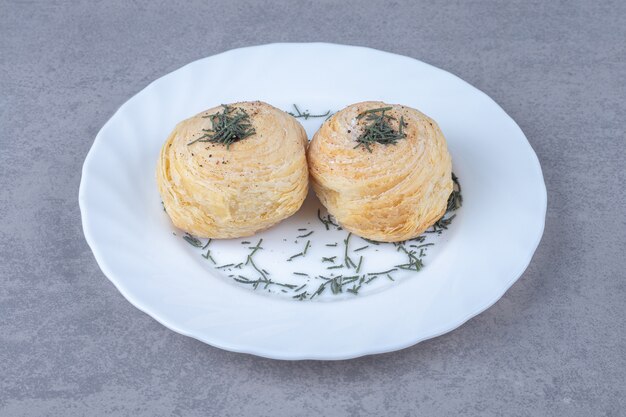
[554, 345]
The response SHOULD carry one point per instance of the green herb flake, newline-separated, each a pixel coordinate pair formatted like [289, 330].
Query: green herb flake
[306, 114]
[192, 240]
[378, 128]
[230, 126]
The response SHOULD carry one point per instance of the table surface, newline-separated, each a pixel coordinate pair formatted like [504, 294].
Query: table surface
[70, 344]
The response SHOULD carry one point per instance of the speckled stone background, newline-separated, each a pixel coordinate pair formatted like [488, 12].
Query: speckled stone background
[554, 345]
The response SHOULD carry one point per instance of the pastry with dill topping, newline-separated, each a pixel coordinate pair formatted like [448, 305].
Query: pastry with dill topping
[382, 170]
[233, 170]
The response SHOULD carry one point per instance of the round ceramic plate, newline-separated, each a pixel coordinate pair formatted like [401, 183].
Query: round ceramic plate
[311, 290]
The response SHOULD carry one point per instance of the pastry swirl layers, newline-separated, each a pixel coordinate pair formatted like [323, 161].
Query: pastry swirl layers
[213, 191]
[393, 193]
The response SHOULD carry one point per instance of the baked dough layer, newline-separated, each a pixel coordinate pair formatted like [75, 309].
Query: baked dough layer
[393, 193]
[211, 191]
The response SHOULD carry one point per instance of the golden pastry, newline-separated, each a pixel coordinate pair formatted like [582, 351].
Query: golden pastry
[383, 171]
[233, 170]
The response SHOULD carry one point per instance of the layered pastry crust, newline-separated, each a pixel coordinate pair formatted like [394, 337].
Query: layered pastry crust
[213, 191]
[393, 193]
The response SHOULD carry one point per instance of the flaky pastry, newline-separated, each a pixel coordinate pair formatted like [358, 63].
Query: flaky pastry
[381, 191]
[229, 190]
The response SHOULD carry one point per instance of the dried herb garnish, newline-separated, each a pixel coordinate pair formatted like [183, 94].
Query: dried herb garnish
[378, 128]
[230, 126]
[326, 221]
[346, 257]
[383, 272]
[208, 256]
[414, 264]
[358, 267]
[295, 256]
[441, 225]
[262, 281]
[301, 296]
[306, 114]
[192, 240]
[455, 201]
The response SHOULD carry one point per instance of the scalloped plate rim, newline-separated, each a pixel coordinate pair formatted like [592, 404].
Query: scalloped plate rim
[283, 355]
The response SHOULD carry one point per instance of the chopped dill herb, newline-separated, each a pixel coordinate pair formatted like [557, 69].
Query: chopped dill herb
[332, 245]
[295, 256]
[414, 264]
[255, 248]
[421, 246]
[373, 242]
[306, 115]
[441, 224]
[255, 267]
[300, 297]
[326, 221]
[319, 290]
[335, 284]
[349, 280]
[358, 268]
[455, 201]
[306, 235]
[335, 267]
[192, 240]
[354, 290]
[231, 125]
[378, 129]
[331, 259]
[207, 243]
[301, 274]
[207, 255]
[361, 248]
[262, 281]
[372, 278]
[348, 261]
[383, 272]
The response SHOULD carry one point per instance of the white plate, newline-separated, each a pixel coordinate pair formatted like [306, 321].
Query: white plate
[469, 268]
